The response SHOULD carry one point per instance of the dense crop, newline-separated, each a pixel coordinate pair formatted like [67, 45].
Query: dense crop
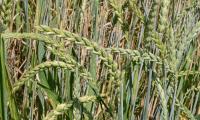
[99, 59]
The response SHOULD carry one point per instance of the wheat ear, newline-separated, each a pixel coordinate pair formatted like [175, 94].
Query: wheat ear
[136, 54]
[62, 108]
[117, 11]
[150, 25]
[106, 58]
[163, 100]
[28, 75]
[65, 57]
[185, 110]
[163, 16]
[136, 10]
[6, 11]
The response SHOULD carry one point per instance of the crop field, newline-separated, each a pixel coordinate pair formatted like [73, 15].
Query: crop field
[99, 60]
